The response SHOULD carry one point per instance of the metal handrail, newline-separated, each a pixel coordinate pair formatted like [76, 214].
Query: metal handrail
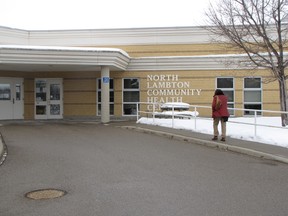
[195, 117]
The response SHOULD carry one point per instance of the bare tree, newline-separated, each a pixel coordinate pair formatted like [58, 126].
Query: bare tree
[257, 28]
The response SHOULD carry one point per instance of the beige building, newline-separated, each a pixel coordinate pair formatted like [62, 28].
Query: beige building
[104, 73]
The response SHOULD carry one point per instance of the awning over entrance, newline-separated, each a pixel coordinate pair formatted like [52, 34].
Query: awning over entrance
[48, 59]
[53, 58]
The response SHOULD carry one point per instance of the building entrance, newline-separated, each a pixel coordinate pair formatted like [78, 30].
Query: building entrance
[11, 98]
[48, 99]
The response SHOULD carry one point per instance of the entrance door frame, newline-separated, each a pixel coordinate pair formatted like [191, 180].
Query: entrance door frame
[13, 107]
[48, 102]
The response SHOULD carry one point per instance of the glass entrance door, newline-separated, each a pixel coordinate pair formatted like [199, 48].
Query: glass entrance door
[48, 96]
[11, 98]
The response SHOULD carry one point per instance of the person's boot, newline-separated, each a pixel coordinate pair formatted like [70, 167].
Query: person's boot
[215, 138]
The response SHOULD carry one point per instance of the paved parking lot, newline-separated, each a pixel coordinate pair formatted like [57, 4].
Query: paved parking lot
[107, 170]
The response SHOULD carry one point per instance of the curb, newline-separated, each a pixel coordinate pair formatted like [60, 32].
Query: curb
[3, 150]
[208, 143]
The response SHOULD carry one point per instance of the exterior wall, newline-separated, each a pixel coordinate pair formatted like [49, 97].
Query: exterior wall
[80, 90]
[29, 98]
[79, 94]
[80, 87]
[153, 50]
[271, 96]
[203, 84]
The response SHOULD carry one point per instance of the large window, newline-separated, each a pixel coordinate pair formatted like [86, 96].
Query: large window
[131, 95]
[252, 95]
[111, 93]
[226, 84]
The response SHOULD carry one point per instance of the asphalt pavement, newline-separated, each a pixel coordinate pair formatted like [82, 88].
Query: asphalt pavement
[128, 169]
[260, 150]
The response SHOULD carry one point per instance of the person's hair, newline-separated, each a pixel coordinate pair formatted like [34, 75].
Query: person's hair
[218, 92]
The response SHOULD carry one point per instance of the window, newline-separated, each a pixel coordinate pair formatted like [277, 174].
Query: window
[41, 87]
[131, 95]
[252, 95]
[111, 94]
[18, 92]
[226, 84]
[5, 92]
[54, 91]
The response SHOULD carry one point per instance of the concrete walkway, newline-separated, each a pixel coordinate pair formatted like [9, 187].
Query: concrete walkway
[255, 149]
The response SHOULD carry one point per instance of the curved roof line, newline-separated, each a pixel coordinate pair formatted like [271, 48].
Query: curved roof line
[57, 58]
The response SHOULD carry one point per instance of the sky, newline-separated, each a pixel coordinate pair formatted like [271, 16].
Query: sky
[265, 135]
[100, 14]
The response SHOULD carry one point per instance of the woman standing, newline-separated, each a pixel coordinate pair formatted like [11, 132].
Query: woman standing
[219, 113]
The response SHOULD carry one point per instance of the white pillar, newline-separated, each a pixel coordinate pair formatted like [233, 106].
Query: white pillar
[105, 96]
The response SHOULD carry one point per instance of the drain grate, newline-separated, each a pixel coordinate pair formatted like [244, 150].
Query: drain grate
[45, 194]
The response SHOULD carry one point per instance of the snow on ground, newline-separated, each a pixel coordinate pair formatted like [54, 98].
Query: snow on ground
[267, 135]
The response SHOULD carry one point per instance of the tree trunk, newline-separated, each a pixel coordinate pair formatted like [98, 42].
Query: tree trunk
[283, 101]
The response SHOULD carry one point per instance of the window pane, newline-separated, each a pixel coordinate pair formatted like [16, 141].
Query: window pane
[18, 92]
[111, 96]
[111, 109]
[231, 111]
[230, 95]
[41, 90]
[224, 83]
[54, 92]
[252, 106]
[111, 84]
[252, 96]
[130, 109]
[40, 110]
[131, 84]
[99, 83]
[99, 96]
[5, 92]
[131, 96]
[55, 109]
[252, 83]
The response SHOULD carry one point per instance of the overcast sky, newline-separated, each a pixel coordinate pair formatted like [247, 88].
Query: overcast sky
[95, 14]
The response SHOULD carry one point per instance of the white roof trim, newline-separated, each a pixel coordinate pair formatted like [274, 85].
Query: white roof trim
[13, 55]
[63, 48]
[208, 62]
[204, 62]
[46, 58]
[108, 37]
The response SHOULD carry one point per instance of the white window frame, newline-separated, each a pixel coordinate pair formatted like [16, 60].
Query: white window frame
[232, 113]
[252, 90]
[129, 90]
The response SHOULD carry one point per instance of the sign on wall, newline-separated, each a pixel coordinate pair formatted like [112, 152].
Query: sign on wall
[168, 88]
[105, 80]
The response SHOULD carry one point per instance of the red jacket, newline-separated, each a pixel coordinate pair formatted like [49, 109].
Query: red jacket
[222, 111]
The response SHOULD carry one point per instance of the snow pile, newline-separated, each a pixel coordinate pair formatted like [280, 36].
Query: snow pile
[264, 134]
